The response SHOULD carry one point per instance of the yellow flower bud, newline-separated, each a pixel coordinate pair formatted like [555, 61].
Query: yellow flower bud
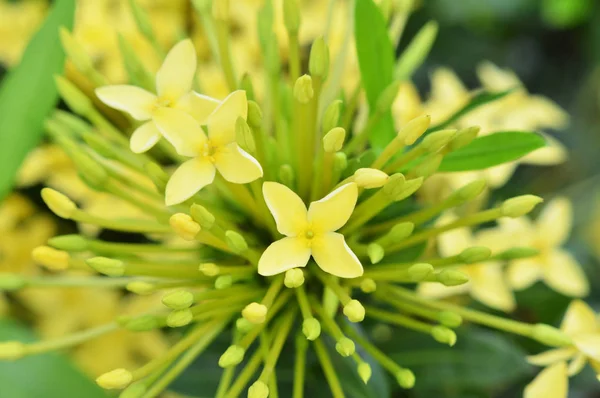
[90, 170]
[370, 178]
[209, 269]
[368, 285]
[202, 216]
[184, 226]
[52, 259]
[520, 205]
[463, 138]
[420, 271]
[75, 51]
[468, 192]
[318, 64]
[71, 243]
[12, 350]
[178, 300]
[140, 287]
[443, 335]
[115, 379]
[58, 203]
[375, 252]
[303, 89]
[394, 185]
[354, 311]
[516, 253]
[255, 313]
[331, 115]
[179, 318]
[294, 278]
[311, 328]
[333, 141]
[345, 347]
[258, 390]
[232, 356]
[408, 188]
[236, 242]
[107, 266]
[475, 254]
[365, 372]
[414, 129]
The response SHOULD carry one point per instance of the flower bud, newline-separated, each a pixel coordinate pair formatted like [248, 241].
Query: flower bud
[107, 266]
[286, 175]
[89, 169]
[255, 313]
[202, 216]
[437, 140]
[409, 188]
[550, 335]
[142, 323]
[10, 282]
[345, 347]
[135, 390]
[223, 282]
[12, 350]
[449, 319]
[428, 166]
[394, 185]
[443, 335]
[294, 278]
[375, 252]
[370, 178]
[291, 16]
[254, 115]
[475, 254]
[318, 64]
[414, 129]
[244, 135]
[419, 272]
[178, 300]
[463, 138]
[303, 89]
[140, 287]
[387, 97]
[452, 277]
[179, 318]
[258, 390]
[368, 285]
[115, 379]
[75, 99]
[236, 242]
[331, 115]
[311, 328]
[247, 86]
[75, 51]
[364, 371]
[58, 203]
[354, 311]
[401, 231]
[340, 162]
[243, 325]
[520, 205]
[333, 141]
[209, 269]
[184, 226]
[468, 192]
[232, 356]
[516, 253]
[141, 19]
[405, 378]
[52, 259]
[71, 243]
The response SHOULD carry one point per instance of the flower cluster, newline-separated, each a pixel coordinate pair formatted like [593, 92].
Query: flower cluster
[234, 198]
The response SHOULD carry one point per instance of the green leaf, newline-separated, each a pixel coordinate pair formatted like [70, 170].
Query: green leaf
[566, 14]
[479, 99]
[376, 62]
[46, 375]
[492, 150]
[28, 94]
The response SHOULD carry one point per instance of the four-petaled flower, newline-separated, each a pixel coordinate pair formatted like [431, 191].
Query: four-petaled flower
[310, 232]
[217, 151]
[174, 82]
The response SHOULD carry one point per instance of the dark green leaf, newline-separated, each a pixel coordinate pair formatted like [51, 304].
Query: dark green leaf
[376, 62]
[480, 99]
[492, 150]
[28, 93]
[46, 375]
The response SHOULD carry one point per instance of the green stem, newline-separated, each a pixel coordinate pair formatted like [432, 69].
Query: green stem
[328, 369]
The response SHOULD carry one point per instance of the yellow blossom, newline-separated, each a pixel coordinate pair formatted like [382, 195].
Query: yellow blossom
[310, 232]
[550, 383]
[217, 151]
[174, 82]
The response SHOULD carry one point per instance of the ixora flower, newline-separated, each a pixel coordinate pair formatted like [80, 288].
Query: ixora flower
[214, 199]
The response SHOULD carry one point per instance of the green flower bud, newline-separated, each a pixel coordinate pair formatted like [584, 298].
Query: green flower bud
[345, 347]
[428, 166]
[468, 192]
[516, 253]
[140, 287]
[232, 356]
[178, 300]
[115, 379]
[135, 390]
[340, 162]
[70, 243]
[291, 16]
[375, 252]
[443, 335]
[244, 135]
[463, 138]
[368, 285]
[75, 51]
[318, 64]
[394, 185]
[437, 140]
[451, 277]
[475, 254]
[332, 115]
[243, 325]
[107, 266]
[549, 335]
[311, 328]
[401, 231]
[202, 216]
[365, 372]
[520, 205]
[354, 311]
[58, 203]
[387, 97]
[293, 278]
[258, 390]
[413, 56]
[255, 313]
[223, 282]
[409, 188]
[141, 323]
[286, 175]
[414, 129]
[405, 378]
[10, 282]
[303, 89]
[420, 271]
[90, 170]
[370, 178]
[449, 319]
[236, 242]
[179, 318]
[209, 269]
[255, 115]
[247, 86]
[75, 99]
[333, 141]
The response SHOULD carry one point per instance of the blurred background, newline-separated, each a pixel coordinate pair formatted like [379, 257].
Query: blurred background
[553, 46]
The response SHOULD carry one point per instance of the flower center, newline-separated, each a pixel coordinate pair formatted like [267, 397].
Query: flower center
[309, 234]
[208, 150]
[164, 102]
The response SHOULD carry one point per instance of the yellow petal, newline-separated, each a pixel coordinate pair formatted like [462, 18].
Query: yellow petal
[453, 242]
[555, 221]
[523, 273]
[221, 123]
[576, 365]
[334, 210]
[589, 344]
[552, 382]
[286, 207]
[181, 130]
[188, 179]
[144, 137]
[131, 99]
[579, 318]
[499, 175]
[550, 357]
[563, 274]
[333, 256]
[496, 79]
[489, 287]
[197, 105]
[175, 77]
[282, 255]
[553, 153]
[236, 165]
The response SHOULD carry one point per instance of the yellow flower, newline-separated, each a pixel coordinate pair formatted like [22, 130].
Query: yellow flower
[554, 265]
[580, 323]
[310, 232]
[218, 151]
[174, 82]
[550, 383]
[486, 280]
